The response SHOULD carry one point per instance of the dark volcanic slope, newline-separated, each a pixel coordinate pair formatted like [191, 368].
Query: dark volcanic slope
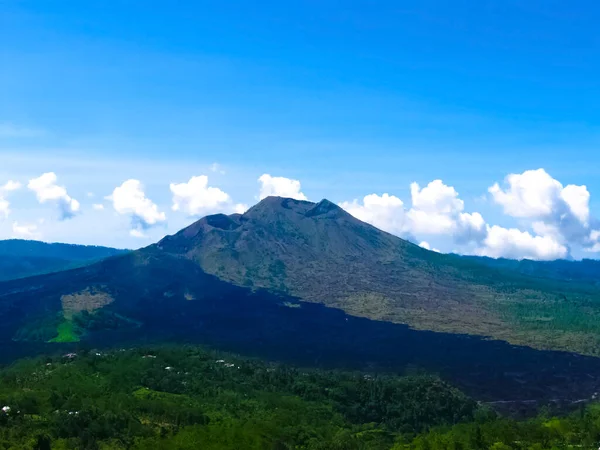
[264, 263]
[171, 298]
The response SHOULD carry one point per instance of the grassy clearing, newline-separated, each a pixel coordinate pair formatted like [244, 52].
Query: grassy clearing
[66, 332]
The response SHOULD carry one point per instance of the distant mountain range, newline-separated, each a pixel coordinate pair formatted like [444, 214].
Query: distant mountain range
[289, 253]
[584, 271]
[24, 258]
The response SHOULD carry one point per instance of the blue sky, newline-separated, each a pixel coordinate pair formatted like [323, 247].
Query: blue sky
[349, 98]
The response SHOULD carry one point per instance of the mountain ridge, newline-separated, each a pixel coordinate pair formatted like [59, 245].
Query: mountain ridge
[21, 258]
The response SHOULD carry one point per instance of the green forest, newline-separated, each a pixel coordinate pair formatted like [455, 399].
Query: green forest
[173, 397]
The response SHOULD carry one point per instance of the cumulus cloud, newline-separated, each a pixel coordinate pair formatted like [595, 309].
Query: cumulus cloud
[430, 222]
[531, 194]
[10, 186]
[47, 191]
[595, 238]
[280, 187]
[437, 210]
[386, 212]
[98, 206]
[516, 244]
[25, 231]
[469, 227]
[130, 199]
[197, 198]
[436, 197]
[7, 188]
[551, 209]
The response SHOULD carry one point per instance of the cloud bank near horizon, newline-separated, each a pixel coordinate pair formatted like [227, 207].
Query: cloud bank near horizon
[552, 218]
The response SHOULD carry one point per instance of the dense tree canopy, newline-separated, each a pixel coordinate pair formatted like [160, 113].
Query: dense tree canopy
[190, 398]
[173, 397]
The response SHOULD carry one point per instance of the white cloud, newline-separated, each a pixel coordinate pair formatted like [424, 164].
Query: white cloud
[552, 210]
[578, 200]
[280, 187]
[4, 208]
[430, 222]
[25, 231]
[426, 246]
[470, 227]
[386, 212]
[136, 233]
[7, 188]
[516, 244]
[197, 198]
[532, 194]
[129, 199]
[436, 198]
[98, 206]
[10, 186]
[595, 248]
[437, 210]
[240, 208]
[46, 190]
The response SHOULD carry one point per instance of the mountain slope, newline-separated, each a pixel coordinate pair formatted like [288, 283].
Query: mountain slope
[317, 252]
[24, 258]
[148, 296]
[320, 253]
[283, 250]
